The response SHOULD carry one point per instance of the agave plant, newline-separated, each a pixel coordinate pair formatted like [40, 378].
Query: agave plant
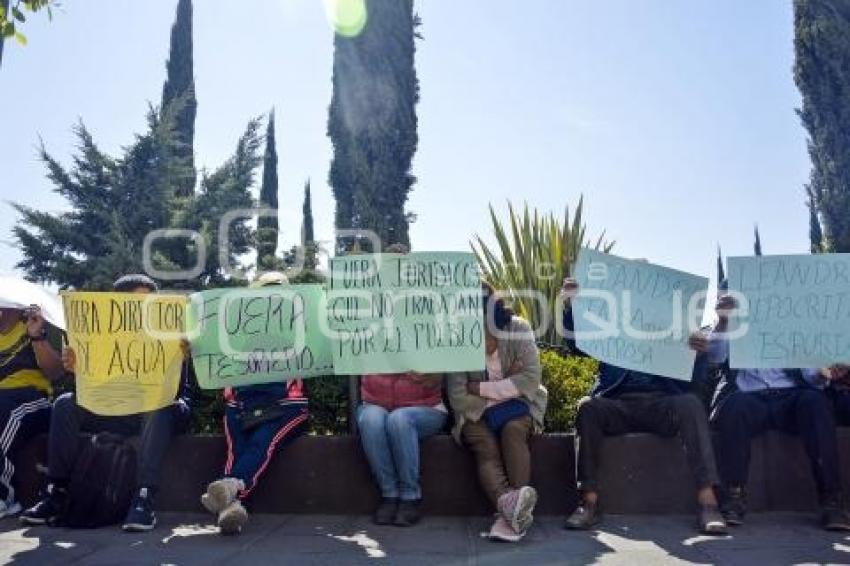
[536, 254]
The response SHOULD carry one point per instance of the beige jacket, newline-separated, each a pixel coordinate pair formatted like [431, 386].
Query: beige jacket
[518, 347]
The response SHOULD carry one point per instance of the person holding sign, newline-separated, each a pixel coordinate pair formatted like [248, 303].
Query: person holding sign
[156, 428]
[258, 421]
[497, 410]
[28, 363]
[748, 402]
[624, 401]
[398, 411]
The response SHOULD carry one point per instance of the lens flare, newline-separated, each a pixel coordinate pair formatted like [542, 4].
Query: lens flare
[347, 17]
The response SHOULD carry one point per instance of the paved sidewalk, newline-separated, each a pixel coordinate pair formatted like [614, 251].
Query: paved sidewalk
[774, 539]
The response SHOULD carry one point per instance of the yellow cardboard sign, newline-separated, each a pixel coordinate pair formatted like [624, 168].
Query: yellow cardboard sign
[127, 348]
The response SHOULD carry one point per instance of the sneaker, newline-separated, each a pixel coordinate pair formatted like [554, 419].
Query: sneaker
[503, 532]
[221, 493]
[9, 509]
[48, 510]
[517, 507]
[407, 513]
[140, 517]
[833, 515]
[586, 516]
[734, 506]
[386, 511]
[232, 519]
[711, 521]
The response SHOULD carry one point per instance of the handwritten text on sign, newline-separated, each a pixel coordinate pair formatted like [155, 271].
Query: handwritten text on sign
[249, 336]
[127, 348]
[636, 315]
[796, 313]
[413, 312]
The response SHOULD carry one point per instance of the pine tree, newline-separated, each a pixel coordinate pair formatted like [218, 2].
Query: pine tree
[268, 227]
[179, 89]
[115, 202]
[372, 122]
[822, 73]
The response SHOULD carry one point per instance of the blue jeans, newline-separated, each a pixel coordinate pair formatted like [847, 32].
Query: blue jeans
[391, 443]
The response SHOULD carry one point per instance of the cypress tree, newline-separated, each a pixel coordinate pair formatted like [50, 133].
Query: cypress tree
[179, 89]
[307, 237]
[721, 273]
[268, 227]
[307, 213]
[822, 73]
[372, 122]
[757, 242]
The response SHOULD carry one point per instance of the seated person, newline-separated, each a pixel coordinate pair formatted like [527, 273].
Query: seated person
[258, 421]
[28, 363]
[624, 401]
[398, 411]
[749, 402]
[839, 391]
[497, 410]
[155, 428]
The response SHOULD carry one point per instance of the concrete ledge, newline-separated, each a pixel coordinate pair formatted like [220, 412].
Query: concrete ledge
[641, 474]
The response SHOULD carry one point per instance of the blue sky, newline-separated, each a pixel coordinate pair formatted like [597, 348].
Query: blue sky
[674, 119]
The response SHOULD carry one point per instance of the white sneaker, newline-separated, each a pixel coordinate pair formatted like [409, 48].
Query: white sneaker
[502, 531]
[221, 493]
[517, 507]
[9, 509]
[232, 519]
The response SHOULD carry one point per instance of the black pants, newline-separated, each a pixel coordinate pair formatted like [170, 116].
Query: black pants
[841, 398]
[24, 414]
[667, 416]
[155, 428]
[801, 411]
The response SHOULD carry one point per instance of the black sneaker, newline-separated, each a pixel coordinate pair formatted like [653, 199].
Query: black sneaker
[585, 517]
[47, 511]
[385, 514]
[833, 515]
[140, 517]
[734, 506]
[407, 514]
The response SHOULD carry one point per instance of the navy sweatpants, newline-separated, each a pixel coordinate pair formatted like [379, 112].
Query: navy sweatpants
[249, 453]
[24, 414]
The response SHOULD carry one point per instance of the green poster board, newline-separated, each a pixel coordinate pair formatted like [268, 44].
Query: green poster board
[794, 311]
[245, 336]
[636, 315]
[392, 313]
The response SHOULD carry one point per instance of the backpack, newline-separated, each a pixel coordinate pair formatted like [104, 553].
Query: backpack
[102, 483]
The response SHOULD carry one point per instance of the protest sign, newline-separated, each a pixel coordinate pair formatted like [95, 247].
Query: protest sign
[636, 315]
[796, 312]
[127, 349]
[393, 313]
[244, 336]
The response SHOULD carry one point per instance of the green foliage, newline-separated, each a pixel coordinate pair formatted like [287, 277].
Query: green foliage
[822, 73]
[268, 227]
[13, 14]
[567, 379]
[308, 240]
[115, 202]
[180, 83]
[328, 404]
[372, 122]
[536, 255]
